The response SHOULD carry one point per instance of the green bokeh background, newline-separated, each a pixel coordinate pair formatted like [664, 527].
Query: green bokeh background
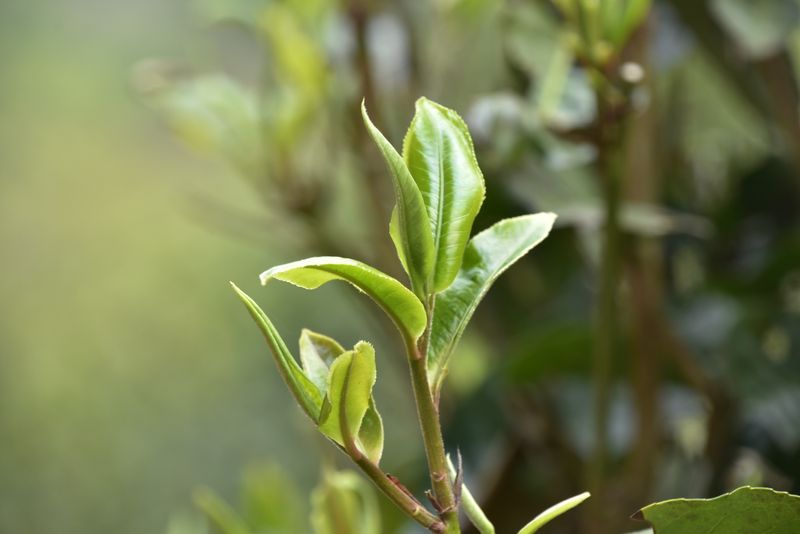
[129, 373]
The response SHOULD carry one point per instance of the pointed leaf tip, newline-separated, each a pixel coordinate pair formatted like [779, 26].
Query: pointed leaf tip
[440, 156]
[486, 257]
[409, 226]
[554, 511]
[305, 392]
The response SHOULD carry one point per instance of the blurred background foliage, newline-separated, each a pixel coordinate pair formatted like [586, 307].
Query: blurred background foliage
[129, 375]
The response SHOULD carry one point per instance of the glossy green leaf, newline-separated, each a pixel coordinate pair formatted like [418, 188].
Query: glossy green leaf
[744, 510]
[439, 154]
[554, 511]
[402, 306]
[307, 394]
[488, 254]
[349, 399]
[317, 354]
[410, 226]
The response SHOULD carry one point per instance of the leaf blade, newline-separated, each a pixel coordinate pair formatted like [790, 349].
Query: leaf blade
[402, 306]
[317, 354]
[746, 509]
[409, 227]
[487, 256]
[302, 388]
[351, 379]
[554, 511]
[439, 154]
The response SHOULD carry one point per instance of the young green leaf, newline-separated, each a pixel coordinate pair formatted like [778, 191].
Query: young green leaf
[554, 511]
[317, 353]
[745, 509]
[402, 306]
[349, 399]
[370, 435]
[304, 390]
[410, 227]
[439, 154]
[488, 254]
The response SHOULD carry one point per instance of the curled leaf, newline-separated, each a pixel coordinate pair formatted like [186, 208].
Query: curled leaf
[317, 354]
[402, 306]
[349, 400]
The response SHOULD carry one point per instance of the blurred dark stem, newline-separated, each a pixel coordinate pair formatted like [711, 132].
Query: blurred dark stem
[643, 272]
[608, 139]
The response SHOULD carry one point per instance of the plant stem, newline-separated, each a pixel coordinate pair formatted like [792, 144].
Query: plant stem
[606, 311]
[400, 498]
[428, 416]
[398, 494]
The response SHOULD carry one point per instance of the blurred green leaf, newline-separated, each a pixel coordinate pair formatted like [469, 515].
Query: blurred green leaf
[184, 523]
[554, 511]
[223, 518]
[759, 27]
[348, 400]
[317, 354]
[488, 254]
[343, 503]
[550, 92]
[397, 301]
[300, 69]
[214, 114]
[439, 154]
[744, 510]
[304, 390]
[271, 502]
[410, 226]
[621, 18]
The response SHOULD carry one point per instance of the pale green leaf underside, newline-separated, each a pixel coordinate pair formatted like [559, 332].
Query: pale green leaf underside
[402, 306]
[317, 354]
[487, 255]
[410, 227]
[554, 511]
[307, 394]
[439, 154]
[350, 395]
[742, 511]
